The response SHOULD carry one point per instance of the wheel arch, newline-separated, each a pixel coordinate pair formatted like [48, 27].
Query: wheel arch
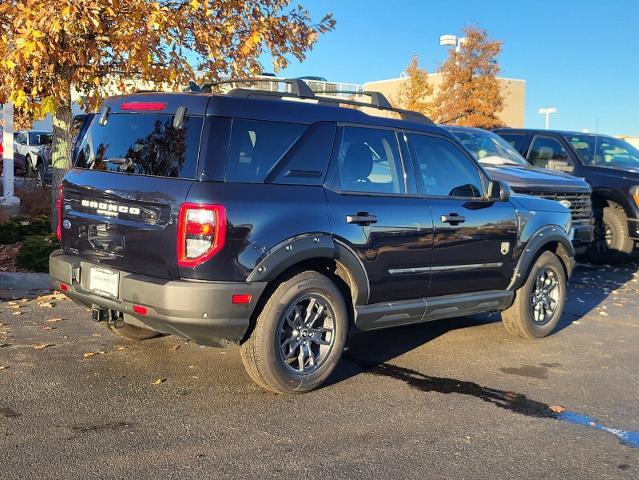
[550, 238]
[319, 252]
[602, 198]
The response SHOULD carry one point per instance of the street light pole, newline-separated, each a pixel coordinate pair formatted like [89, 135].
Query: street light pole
[547, 112]
[8, 197]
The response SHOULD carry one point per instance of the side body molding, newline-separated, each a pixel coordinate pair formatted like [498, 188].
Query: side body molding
[311, 246]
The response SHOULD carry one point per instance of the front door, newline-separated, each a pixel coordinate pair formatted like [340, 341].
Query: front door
[474, 238]
[369, 210]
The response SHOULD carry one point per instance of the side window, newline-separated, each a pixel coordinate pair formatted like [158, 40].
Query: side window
[368, 161]
[516, 140]
[443, 169]
[256, 146]
[544, 149]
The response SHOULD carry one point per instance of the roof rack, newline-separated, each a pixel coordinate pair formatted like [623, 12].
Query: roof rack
[300, 89]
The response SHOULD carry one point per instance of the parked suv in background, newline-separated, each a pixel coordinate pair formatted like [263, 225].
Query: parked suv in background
[502, 162]
[609, 165]
[27, 144]
[285, 225]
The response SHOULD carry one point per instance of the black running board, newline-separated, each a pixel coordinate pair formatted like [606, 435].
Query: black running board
[392, 314]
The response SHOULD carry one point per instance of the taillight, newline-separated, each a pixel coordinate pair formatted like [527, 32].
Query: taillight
[59, 204]
[201, 233]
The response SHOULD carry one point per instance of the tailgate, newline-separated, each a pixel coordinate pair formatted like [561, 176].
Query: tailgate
[127, 222]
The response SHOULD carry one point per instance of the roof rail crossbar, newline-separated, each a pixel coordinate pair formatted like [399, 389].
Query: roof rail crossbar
[299, 88]
[378, 99]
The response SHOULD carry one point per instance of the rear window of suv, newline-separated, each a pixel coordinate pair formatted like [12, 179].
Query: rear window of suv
[142, 144]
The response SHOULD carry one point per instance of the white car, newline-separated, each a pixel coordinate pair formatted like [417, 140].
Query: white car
[26, 146]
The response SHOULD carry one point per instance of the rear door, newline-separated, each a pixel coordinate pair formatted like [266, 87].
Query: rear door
[473, 238]
[133, 170]
[369, 211]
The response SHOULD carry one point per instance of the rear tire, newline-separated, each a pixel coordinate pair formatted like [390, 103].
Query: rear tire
[299, 335]
[612, 244]
[540, 301]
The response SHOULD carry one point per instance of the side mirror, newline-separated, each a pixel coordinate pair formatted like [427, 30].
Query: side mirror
[498, 191]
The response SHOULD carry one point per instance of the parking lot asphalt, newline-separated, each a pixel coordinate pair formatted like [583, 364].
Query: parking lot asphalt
[450, 399]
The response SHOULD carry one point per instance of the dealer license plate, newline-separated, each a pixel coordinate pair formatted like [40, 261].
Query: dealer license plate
[104, 282]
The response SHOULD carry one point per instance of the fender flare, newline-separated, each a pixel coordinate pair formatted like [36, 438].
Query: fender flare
[295, 250]
[536, 243]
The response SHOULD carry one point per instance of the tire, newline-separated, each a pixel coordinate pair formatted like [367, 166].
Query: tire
[523, 318]
[28, 166]
[612, 244]
[133, 332]
[39, 175]
[288, 326]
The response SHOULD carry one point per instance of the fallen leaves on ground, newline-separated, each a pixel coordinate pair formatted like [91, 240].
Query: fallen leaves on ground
[558, 408]
[17, 312]
[42, 346]
[54, 320]
[4, 367]
[119, 349]
[174, 348]
[46, 304]
[92, 354]
[159, 381]
[49, 327]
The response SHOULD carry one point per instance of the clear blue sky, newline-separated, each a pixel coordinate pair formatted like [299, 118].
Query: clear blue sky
[579, 56]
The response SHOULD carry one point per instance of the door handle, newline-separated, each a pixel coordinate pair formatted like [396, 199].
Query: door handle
[361, 218]
[453, 218]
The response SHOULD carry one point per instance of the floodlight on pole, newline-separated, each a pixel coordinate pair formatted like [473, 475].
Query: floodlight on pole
[547, 112]
[452, 41]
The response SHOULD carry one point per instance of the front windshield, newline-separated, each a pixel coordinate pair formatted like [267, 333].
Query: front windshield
[489, 148]
[603, 151]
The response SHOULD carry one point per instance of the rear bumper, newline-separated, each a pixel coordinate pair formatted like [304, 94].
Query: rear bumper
[196, 310]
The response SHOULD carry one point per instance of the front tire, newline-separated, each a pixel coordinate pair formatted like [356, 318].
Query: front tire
[612, 244]
[28, 167]
[299, 335]
[539, 303]
[40, 176]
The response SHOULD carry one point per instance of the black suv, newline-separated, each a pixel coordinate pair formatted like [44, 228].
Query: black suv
[283, 222]
[609, 165]
[502, 162]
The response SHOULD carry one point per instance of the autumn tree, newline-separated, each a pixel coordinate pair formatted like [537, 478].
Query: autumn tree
[470, 93]
[51, 49]
[415, 90]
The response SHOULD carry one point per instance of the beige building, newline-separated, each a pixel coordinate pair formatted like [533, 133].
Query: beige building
[514, 92]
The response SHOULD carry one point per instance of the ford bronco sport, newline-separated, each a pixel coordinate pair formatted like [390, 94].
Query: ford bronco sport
[282, 222]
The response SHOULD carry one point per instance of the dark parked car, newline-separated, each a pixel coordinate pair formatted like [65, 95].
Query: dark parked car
[502, 162]
[609, 165]
[286, 225]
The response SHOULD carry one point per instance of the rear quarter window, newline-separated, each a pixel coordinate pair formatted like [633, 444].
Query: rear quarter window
[141, 144]
[256, 147]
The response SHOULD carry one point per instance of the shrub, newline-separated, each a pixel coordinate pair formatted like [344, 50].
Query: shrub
[34, 252]
[18, 228]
